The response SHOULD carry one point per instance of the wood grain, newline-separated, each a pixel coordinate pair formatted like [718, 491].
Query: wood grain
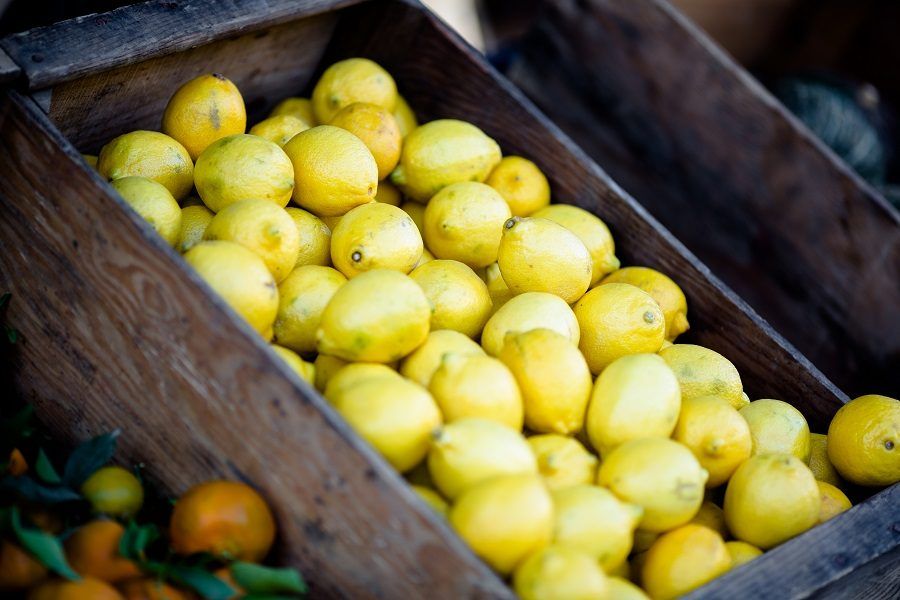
[119, 332]
[9, 70]
[735, 177]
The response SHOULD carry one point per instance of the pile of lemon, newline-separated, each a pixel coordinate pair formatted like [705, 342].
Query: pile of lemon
[448, 307]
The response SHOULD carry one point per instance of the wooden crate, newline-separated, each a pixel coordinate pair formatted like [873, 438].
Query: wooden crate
[738, 179]
[118, 331]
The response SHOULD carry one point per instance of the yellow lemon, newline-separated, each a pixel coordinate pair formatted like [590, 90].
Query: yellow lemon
[711, 515]
[562, 460]
[643, 540]
[554, 379]
[304, 370]
[303, 296]
[241, 278]
[279, 129]
[665, 291]
[393, 414]
[378, 316]
[497, 288]
[717, 434]
[538, 255]
[262, 227]
[464, 222]
[378, 130]
[299, 108]
[434, 500]
[389, 194]
[406, 118]
[194, 221]
[660, 475]
[352, 374]
[326, 368]
[375, 236]
[622, 589]
[416, 212]
[532, 310]
[592, 520]
[864, 440]
[741, 553]
[819, 463]
[704, 372]
[475, 385]
[557, 573]
[148, 154]
[777, 427]
[616, 320]
[154, 203]
[459, 298]
[441, 153]
[834, 501]
[331, 223]
[770, 499]
[334, 170]
[349, 81]
[635, 397]
[315, 238]
[505, 519]
[592, 232]
[91, 160]
[522, 185]
[192, 201]
[422, 362]
[203, 110]
[682, 560]
[469, 451]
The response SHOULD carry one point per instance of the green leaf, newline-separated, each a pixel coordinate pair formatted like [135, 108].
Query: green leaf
[44, 469]
[32, 491]
[257, 579]
[134, 541]
[203, 582]
[44, 547]
[12, 334]
[88, 457]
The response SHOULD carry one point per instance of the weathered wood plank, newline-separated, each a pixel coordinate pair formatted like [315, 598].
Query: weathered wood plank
[118, 331]
[9, 71]
[735, 177]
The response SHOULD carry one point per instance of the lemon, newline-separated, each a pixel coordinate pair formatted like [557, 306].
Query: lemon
[777, 427]
[279, 129]
[375, 236]
[623, 570]
[635, 397]
[712, 516]
[426, 258]
[154, 203]
[304, 370]
[334, 170]
[331, 223]
[434, 500]
[553, 377]
[497, 288]
[660, 475]
[194, 221]
[406, 118]
[592, 520]
[192, 201]
[241, 278]
[505, 519]
[378, 130]
[315, 238]
[622, 589]
[352, 374]
[592, 232]
[475, 385]
[682, 560]
[441, 153]
[717, 434]
[300, 108]
[704, 372]
[388, 193]
[91, 160]
[863, 440]
[464, 222]
[741, 553]
[665, 291]
[393, 414]
[148, 154]
[303, 296]
[522, 185]
[819, 463]
[378, 316]
[469, 451]
[643, 540]
[416, 212]
[203, 110]
[770, 499]
[326, 368]
[538, 255]
[532, 310]
[563, 461]
[557, 573]
[349, 81]
[834, 501]
[616, 320]
[422, 362]
[459, 298]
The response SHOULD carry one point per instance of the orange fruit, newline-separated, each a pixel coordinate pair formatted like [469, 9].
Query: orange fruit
[148, 588]
[18, 569]
[225, 518]
[17, 464]
[84, 589]
[93, 551]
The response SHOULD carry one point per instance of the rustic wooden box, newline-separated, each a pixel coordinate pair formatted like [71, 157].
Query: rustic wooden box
[738, 179]
[118, 332]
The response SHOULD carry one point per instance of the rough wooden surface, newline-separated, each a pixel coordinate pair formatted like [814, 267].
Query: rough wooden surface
[119, 332]
[736, 178]
[9, 70]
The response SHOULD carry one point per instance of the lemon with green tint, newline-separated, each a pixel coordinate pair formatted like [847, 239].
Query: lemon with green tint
[305, 370]
[532, 310]
[741, 552]
[303, 296]
[560, 572]
[279, 129]
[194, 221]
[299, 108]
[315, 238]
[349, 81]
[434, 500]
[148, 154]
[406, 118]
[704, 372]
[154, 203]
[777, 427]
[459, 298]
